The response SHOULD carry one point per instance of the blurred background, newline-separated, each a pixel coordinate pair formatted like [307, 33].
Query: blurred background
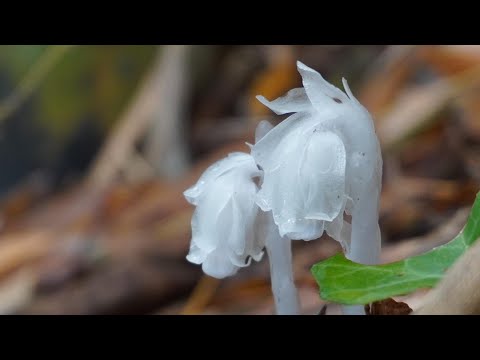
[97, 144]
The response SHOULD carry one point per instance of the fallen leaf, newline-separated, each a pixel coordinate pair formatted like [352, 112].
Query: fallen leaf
[387, 307]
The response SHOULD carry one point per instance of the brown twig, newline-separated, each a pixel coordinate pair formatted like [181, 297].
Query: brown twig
[201, 295]
[135, 122]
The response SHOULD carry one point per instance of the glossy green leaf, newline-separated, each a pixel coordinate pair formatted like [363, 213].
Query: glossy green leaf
[346, 282]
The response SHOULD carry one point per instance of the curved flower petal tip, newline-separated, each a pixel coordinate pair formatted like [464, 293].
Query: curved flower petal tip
[323, 95]
[351, 96]
[233, 160]
[301, 229]
[295, 100]
[223, 236]
[347, 89]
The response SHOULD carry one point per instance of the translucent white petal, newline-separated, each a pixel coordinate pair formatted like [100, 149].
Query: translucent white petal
[295, 100]
[218, 265]
[196, 255]
[266, 150]
[257, 254]
[322, 175]
[211, 217]
[353, 99]
[236, 238]
[233, 160]
[349, 92]
[244, 211]
[321, 93]
[262, 129]
[279, 191]
[307, 184]
[301, 229]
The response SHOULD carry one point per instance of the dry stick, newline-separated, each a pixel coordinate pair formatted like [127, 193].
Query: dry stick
[458, 293]
[17, 290]
[201, 295]
[420, 244]
[388, 63]
[33, 78]
[416, 109]
[166, 148]
[120, 145]
[20, 249]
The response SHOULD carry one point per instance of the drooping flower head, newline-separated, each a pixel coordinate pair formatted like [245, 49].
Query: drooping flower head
[319, 162]
[223, 224]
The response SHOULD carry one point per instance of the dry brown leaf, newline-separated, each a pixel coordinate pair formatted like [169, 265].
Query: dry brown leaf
[388, 307]
[17, 250]
[131, 285]
[412, 112]
[450, 59]
[387, 78]
[415, 109]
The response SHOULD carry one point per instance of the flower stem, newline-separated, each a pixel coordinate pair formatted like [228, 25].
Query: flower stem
[353, 310]
[279, 251]
[365, 243]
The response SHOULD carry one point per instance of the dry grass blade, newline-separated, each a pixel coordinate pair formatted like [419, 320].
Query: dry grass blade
[421, 244]
[16, 291]
[51, 56]
[387, 77]
[166, 148]
[201, 295]
[413, 111]
[120, 145]
[17, 250]
[450, 59]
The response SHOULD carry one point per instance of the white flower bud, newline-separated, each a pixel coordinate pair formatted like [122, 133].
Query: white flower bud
[223, 224]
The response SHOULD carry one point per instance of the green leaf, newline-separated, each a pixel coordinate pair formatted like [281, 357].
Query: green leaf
[346, 282]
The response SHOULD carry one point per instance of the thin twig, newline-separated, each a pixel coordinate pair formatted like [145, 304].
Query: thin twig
[135, 122]
[201, 295]
[32, 79]
[165, 146]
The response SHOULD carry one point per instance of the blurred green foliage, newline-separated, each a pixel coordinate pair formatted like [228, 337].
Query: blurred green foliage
[346, 282]
[81, 97]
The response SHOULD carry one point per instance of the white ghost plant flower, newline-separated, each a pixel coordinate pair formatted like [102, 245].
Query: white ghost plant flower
[223, 234]
[228, 228]
[320, 162]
